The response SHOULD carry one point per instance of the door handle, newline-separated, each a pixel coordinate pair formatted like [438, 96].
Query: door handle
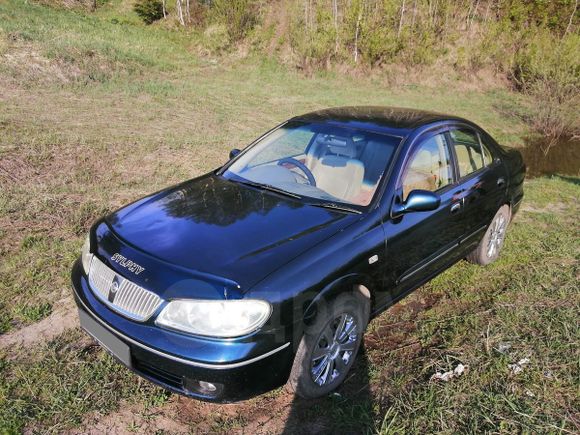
[455, 207]
[501, 181]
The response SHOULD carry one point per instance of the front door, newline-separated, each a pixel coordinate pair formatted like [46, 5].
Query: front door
[419, 244]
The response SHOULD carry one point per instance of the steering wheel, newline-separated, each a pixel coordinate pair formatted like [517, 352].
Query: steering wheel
[300, 166]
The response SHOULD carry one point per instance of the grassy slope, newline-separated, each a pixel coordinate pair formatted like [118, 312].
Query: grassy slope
[94, 114]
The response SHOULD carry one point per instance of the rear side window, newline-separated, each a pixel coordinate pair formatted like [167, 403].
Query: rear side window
[468, 151]
[487, 156]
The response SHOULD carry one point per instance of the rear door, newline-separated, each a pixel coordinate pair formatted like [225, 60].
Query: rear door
[481, 184]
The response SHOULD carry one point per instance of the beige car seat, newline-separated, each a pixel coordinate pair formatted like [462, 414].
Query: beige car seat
[419, 174]
[430, 168]
[338, 172]
[467, 160]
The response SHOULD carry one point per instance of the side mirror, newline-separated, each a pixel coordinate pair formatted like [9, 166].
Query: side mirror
[234, 153]
[418, 200]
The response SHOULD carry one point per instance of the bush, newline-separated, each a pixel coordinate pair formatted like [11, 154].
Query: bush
[548, 69]
[216, 37]
[149, 10]
[240, 16]
[547, 57]
[313, 40]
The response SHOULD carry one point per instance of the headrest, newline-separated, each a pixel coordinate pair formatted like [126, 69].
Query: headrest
[339, 146]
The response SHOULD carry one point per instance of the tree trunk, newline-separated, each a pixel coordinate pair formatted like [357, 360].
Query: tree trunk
[180, 12]
[335, 17]
[414, 14]
[306, 15]
[571, 18]
[401, 20]
[356, 33]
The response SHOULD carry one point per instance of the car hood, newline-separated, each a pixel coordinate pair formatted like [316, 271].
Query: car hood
[217, 227]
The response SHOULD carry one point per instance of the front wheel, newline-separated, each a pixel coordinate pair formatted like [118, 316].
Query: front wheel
[490, 246]
[329, 346]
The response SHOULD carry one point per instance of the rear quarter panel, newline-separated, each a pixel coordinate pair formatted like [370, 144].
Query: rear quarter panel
[517, 172]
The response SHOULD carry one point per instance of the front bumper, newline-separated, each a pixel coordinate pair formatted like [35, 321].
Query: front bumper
[239, 369]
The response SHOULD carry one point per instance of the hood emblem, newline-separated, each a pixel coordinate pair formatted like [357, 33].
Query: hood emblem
[113, 289]
[130, 265]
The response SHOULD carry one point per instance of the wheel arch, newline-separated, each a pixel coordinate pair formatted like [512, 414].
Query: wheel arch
[509, 205]
[354, 282]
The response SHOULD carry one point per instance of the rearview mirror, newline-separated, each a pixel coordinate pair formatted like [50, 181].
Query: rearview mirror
[417, 200]
[234, 153]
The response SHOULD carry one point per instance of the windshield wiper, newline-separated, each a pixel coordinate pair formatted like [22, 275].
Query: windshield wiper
[335, 206]
[270, 188]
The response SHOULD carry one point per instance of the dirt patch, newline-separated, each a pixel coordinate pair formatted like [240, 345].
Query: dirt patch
[277, 412]
[83, 5]
[29, 66]
[131, 419]
[64, 317]
[398, 334]
[556, 207]
[15, 170]
[180, 415]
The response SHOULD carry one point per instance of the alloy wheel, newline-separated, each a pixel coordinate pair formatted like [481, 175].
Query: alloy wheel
[334, 350]
[497, 235]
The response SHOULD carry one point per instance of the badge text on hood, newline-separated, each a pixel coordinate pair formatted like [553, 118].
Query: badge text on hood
[127, 264]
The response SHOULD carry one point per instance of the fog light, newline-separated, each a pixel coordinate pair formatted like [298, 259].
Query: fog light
[207, 386]
[203, 388]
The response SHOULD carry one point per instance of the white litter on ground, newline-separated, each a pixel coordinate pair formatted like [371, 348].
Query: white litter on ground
[447, 376]
[503, 348]
[519, 366]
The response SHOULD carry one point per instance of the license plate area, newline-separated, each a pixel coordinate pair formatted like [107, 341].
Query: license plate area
[110, 342]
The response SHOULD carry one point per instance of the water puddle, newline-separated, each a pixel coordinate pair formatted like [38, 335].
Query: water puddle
[563, 157]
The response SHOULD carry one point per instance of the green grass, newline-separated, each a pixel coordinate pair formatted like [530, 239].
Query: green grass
[98, 110]
[528, 299]
[66, 379]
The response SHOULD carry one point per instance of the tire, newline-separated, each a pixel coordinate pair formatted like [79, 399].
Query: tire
[323, 360]
[490, 246]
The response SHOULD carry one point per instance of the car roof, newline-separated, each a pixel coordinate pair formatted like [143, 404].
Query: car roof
[393, 120]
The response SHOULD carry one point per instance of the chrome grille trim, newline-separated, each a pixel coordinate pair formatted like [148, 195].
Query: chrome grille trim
[130, 300]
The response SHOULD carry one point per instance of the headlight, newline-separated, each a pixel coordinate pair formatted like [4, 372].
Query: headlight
[215, 318]
[86, 254]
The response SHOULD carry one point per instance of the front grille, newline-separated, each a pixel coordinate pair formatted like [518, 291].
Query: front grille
[120, 294]
[159, 374]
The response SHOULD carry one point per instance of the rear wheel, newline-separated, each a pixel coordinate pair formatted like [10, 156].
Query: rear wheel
[328, 349]
[490, 246]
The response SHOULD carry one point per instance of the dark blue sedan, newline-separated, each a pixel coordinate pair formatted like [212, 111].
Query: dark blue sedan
[267, 270]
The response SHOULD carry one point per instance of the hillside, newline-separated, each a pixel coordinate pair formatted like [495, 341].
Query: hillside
[98, 109]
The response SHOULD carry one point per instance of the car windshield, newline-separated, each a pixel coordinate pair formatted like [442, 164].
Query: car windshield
[324, 162]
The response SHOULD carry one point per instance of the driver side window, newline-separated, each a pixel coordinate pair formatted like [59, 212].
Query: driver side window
[429, 167]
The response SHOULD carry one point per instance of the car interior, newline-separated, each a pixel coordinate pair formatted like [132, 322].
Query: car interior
[468, 151]
[346, 168]
[430, 167]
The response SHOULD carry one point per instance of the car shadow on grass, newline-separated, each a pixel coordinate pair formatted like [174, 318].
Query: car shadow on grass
[350, 409]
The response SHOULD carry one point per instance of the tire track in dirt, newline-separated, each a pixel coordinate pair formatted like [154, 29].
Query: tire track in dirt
[64, 317]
